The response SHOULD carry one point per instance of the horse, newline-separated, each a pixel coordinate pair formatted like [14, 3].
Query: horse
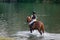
[38, 25]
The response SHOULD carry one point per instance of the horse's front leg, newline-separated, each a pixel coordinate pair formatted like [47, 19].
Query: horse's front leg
[30, 29]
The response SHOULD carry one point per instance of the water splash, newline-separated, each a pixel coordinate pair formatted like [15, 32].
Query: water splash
[3, 25]
[25, 35]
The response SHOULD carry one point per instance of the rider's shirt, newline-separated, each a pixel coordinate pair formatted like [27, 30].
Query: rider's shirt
[33, 19]
[33, 16]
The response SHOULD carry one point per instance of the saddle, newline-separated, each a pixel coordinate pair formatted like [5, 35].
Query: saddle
[32, 22]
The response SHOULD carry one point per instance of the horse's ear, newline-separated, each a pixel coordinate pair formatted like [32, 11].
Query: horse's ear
[26, 19]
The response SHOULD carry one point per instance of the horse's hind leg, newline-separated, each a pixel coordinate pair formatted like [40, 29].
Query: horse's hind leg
[40, 31]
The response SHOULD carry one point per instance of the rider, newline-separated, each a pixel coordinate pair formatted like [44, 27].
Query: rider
[34, 17]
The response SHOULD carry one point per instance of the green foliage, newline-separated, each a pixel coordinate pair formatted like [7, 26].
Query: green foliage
[1, 9]
[56, 1]
[40, 1]
[30, 1]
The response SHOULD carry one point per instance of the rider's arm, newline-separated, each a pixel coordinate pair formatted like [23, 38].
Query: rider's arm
[31, 16]
[36, 16]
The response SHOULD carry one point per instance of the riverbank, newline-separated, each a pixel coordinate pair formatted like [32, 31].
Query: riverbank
[6, 38]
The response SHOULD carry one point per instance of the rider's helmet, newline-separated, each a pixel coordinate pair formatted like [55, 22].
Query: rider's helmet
[34, 12]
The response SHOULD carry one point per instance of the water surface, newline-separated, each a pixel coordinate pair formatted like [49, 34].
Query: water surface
[13, 20]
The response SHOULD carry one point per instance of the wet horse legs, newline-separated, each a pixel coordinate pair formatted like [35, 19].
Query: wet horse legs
[40, 31]
[31, 29]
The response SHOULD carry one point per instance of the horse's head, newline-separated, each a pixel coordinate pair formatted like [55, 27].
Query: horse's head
[28, 18]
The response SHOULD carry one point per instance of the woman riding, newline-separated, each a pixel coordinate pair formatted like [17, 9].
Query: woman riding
[34, 18]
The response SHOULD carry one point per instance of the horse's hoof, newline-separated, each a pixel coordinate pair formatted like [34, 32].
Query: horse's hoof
[40, 33]
[31, 31]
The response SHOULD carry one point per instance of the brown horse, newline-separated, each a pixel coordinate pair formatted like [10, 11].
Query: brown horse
[37, 25]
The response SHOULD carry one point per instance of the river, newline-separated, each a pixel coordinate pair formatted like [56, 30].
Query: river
[13, 20]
